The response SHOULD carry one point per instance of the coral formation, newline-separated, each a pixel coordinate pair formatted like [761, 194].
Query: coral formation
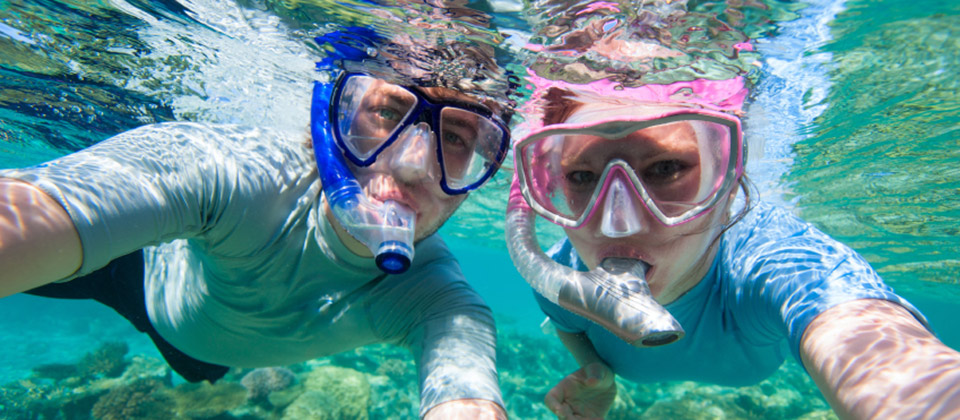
[331, 393]
[55, 371]
[107, 360]
[205, 401]
[261, 382]
[140, 400]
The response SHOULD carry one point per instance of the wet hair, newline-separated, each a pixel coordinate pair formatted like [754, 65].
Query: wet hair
[558, 106]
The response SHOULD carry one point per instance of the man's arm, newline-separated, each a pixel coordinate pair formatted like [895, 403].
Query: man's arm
[467, 409]
[38, 241]
[873, 359]
[456, 357]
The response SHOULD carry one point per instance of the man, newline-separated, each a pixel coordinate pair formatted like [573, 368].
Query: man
[242, 247]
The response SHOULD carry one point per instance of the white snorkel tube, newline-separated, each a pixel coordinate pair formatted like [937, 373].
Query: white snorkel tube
[387, 228]
[614, 295]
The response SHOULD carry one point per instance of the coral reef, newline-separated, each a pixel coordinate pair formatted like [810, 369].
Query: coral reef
[206, 401]
[331, 393]
[107, 360]
[260, 382]
[376, 381]
[56, 371]
[139, 400]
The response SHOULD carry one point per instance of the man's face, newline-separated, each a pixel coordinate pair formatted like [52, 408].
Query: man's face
[408, 171]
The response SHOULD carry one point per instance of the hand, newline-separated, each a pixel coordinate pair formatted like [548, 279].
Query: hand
[587, 393]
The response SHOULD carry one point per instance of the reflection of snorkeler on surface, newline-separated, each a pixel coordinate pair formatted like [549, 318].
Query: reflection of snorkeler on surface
[649, 173]
[218, 242]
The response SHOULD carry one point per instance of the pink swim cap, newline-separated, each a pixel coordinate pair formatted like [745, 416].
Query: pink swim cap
[718, 95]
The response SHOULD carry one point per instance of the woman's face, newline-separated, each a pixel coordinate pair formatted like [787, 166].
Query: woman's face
[667, 161]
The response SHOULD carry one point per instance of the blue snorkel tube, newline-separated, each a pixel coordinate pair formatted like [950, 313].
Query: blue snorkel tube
[387, 228]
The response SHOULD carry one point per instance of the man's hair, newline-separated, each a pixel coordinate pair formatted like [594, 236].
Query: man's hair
[452, 47]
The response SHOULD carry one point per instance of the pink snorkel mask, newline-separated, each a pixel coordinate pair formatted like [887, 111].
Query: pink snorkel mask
[677, 162]
[677, 149]
[700, 114]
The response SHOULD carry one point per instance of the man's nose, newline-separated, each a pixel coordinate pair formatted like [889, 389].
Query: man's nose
[411, 157]
[622, 214]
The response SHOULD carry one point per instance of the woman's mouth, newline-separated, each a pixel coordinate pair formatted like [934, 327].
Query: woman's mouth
[619, 252]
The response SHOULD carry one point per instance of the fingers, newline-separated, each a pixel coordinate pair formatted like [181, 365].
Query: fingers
[554, 402]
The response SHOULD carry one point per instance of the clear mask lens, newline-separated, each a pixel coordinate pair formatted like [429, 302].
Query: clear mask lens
[469, 146]
[372, 113]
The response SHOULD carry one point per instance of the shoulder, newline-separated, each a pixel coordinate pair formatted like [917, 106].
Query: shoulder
[768, 224]
[193, 133]
[772, 236]
[199, 143]
[433, 287]
[434, 258]
[781, 263]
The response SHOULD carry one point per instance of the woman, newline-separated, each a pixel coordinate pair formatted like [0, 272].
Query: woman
[649, 174]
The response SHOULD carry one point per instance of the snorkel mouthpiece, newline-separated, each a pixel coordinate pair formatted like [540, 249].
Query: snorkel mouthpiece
[614, 295]
[394, 252]
[618, 298]
[387, 228]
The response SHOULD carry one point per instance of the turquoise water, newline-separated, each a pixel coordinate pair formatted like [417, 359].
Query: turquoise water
[857, 107]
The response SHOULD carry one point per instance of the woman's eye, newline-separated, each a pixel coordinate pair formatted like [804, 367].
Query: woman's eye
[581, 178]
[664, 171]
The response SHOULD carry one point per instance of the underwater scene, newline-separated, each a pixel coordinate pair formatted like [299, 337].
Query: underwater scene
[853, 124]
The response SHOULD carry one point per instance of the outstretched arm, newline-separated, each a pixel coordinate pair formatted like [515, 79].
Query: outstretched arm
[456, 358]
[38, 242]
[467, 409]
[873, 359]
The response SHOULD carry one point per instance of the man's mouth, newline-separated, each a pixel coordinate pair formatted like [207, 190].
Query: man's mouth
[378, 190]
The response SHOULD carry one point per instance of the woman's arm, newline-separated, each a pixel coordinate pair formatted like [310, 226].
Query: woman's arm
[873, 359]
[579, 347]
[587, 393]
[38, 242]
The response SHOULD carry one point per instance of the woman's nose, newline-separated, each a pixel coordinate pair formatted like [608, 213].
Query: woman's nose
[622, 215]
[411, 158]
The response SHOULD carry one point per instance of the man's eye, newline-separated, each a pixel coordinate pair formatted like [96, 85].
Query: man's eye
[581, 178]
[664, 171]
[389, 114]
[453, 139]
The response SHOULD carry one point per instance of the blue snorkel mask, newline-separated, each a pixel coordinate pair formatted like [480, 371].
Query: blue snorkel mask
[358, 116]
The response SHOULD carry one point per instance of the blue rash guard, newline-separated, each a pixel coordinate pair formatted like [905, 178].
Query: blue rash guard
[242, 267]
[773, 274]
